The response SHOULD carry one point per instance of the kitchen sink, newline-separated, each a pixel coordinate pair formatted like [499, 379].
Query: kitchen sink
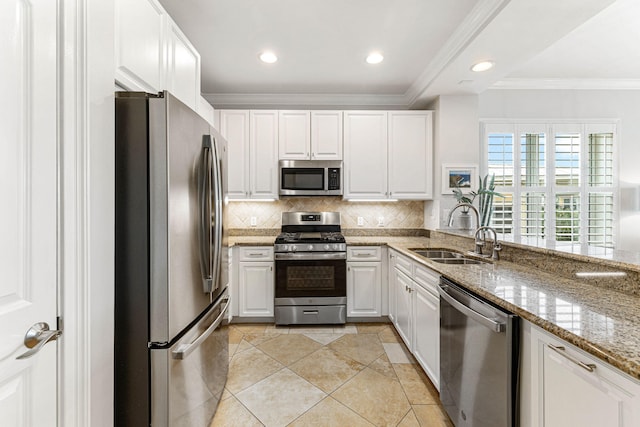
[437, 253]
[445, 256]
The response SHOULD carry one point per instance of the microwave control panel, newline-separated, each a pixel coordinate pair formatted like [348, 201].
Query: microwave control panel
[334, 179]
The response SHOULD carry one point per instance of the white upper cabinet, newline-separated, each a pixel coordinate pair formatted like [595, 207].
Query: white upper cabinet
[410, 155]
[234, 126]
[263, 155]
[252, 151]
[326, 135]
[365, 155]
[310, 135]
[152, 54]
[183, 67]
[294, 140]
[388, 155]
[139, 45]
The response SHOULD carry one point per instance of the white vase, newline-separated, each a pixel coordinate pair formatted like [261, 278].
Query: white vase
[464, 221]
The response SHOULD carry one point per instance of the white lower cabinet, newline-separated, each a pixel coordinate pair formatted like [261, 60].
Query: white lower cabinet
[426, 338]
[414, 309]
[403, 323]
[364, 281]
[255, 282]
[568, 387]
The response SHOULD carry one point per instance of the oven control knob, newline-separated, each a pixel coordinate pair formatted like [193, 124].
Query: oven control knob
[326, 247]
[310, 247]
[293, 248]
[336, 247]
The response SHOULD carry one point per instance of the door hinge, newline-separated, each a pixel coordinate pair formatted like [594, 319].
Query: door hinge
[59, 324]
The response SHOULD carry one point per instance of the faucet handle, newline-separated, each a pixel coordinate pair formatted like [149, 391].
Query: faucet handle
[497, 247]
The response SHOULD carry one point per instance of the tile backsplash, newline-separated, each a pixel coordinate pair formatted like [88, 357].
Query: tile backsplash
[400, 214]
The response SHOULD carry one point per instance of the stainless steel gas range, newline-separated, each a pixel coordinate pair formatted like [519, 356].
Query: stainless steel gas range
[311, 269]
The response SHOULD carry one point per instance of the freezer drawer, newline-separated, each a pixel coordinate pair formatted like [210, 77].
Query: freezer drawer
[188, 378]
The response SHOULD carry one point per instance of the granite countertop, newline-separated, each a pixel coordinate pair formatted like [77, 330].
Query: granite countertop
[600, 321]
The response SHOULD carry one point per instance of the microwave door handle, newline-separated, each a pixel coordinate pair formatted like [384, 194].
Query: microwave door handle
[206, 232]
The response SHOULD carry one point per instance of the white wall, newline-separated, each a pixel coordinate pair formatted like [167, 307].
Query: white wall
[585, 104]
[456, 140]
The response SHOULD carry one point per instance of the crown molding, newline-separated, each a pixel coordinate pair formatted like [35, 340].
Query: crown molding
[567, 84]
[305, 100]
[481, 15]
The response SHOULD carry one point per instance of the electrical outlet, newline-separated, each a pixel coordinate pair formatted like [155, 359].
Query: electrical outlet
[360, 221]
[380, 221]
[253, 221]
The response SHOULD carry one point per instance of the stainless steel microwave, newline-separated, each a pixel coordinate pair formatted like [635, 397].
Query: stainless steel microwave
[310, 177]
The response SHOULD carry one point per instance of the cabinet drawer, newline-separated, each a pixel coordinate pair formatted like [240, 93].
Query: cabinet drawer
[427, 278]
[256, 253]
[364, 253]
[404, 264]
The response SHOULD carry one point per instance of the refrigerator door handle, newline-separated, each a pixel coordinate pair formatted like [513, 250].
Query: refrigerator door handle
[206, 233]
[217, 216]
[184, 350]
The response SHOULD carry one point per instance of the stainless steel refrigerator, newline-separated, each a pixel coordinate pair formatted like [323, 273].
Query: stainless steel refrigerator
[171, 352]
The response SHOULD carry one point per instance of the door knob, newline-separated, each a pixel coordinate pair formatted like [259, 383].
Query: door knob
[36, 337]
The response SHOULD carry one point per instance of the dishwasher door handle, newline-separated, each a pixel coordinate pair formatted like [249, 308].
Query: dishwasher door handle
[489, 323]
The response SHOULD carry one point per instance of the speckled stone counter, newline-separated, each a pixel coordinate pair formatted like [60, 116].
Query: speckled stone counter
[602, 321]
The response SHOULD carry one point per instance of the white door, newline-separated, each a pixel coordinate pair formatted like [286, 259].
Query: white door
[28, 218]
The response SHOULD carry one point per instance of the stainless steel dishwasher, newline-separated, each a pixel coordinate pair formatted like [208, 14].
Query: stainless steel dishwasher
[479, 349]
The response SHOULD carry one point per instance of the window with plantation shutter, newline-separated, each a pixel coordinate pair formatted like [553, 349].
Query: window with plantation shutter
[558, 181]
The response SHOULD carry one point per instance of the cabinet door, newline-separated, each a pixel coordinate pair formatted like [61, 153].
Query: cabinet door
[234, 126]
[404, 287]
[256, 291]
[391, 271]
[364, 289]
[326, 135]
[263, 158]
[183, 67]
[574, 396]
[294, 131]
[566, 394]
[365, 155]
[410, 155]
[426, 339]
[139, 50]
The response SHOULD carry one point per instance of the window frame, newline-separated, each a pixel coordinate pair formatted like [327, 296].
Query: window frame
[551, 128]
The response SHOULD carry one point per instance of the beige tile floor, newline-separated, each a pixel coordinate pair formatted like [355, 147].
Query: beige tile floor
[354, 375]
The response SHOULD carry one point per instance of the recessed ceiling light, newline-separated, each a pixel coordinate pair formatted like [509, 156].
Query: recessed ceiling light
[375, 58]
[268, 57]
[482, 66]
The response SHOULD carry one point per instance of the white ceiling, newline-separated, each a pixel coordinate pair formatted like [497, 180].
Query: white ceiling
[428, 45]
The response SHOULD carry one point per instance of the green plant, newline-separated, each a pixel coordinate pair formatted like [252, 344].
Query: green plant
[462, 198]
[485, 194]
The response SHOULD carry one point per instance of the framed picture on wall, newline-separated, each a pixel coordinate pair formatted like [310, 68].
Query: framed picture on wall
[463, 176]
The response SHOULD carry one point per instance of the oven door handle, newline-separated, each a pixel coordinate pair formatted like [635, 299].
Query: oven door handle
[310, 256]
[489, 323]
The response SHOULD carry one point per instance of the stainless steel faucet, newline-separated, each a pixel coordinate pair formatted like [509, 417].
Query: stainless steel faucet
[461, 205]
[481, 241]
